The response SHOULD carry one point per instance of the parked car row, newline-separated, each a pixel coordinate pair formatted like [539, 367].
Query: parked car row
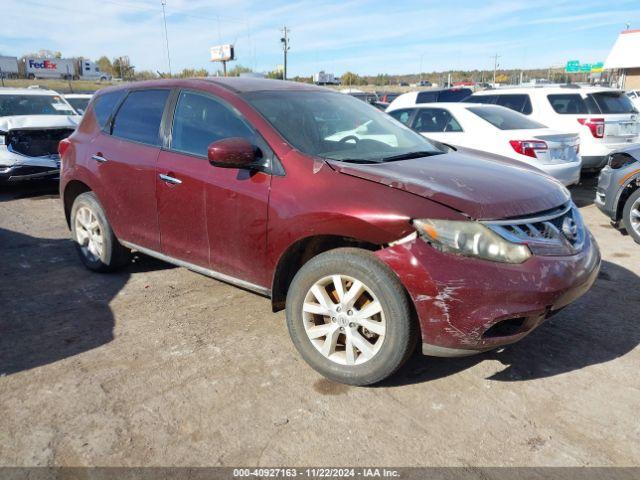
[372, 237]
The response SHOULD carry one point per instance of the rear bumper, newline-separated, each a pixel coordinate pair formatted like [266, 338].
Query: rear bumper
[466, 305]
[567, 173]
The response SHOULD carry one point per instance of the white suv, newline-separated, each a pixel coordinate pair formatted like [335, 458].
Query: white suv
[605, 118]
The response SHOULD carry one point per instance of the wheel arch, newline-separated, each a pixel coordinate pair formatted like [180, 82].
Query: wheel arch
[631, 186]
[299, 253]
[71, 191]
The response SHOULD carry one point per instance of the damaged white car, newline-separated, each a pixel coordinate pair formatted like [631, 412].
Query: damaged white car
[32, 123]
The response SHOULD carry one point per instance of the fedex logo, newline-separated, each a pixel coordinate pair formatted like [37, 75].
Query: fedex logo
[46, 64]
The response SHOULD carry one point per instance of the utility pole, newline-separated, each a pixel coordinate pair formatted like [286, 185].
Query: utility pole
[495, 66]
[166, 35]
[285, 49]
[421, 57]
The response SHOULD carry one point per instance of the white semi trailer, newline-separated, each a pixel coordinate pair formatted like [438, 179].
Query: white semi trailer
[8, 67]
[67, 68]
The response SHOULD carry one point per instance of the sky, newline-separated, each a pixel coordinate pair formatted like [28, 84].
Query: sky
[364, 36]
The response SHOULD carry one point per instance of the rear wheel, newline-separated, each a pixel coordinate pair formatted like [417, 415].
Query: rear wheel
[631, 215]
[95, 241]
[349, 317]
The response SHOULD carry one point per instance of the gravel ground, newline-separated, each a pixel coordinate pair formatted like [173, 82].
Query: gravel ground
[161, 366]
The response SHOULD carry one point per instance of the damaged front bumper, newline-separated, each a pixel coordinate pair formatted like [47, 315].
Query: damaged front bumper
[15, 167]
[467, 306]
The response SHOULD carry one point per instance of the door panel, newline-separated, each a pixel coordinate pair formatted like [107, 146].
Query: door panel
[216, 217]
[128, 188]
[182, 207]
[237, 202]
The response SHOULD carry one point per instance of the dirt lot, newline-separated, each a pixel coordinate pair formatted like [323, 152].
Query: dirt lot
[160, 366]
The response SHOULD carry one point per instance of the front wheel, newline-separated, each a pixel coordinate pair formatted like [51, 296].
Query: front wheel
[95, 241]
[350, 317]
[631, 215]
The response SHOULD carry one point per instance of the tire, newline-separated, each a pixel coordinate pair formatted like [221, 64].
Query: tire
[105, 256]
[395, 325]
[629, 219]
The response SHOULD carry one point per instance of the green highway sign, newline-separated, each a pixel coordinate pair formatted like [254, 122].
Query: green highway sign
[572, 66]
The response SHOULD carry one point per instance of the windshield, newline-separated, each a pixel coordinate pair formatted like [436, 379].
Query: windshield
[79, 104]
[504, 118]
[339, 127]
[33, 105]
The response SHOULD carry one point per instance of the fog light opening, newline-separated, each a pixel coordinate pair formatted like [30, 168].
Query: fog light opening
[506, 328]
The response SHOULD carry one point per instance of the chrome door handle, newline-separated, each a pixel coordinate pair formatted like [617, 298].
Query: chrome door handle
[98, 158]
[168, 179]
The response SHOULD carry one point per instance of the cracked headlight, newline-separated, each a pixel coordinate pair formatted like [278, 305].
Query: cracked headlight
[471, 239]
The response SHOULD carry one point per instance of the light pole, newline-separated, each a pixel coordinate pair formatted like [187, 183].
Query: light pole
[166, 35]
[285, 49]
[495, 67]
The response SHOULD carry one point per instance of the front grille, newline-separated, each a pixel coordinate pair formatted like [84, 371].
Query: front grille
[37, 143]
[559, 231]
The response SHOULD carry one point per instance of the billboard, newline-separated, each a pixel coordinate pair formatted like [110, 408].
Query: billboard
[222, 53]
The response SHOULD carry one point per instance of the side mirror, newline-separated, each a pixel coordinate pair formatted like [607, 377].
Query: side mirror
[232, 152]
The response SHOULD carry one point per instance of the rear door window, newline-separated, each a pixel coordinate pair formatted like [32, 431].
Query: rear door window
[403, 115]
[568, 103]
[138, 118]
[520, 103]
[613, 102]
[435, 120]
[200, 120]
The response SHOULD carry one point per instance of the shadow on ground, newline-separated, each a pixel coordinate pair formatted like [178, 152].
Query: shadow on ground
[39, 188]
[584, 193]
[52, 307]
[598, 328]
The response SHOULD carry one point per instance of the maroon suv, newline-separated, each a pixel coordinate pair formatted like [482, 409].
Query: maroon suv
[367, 233]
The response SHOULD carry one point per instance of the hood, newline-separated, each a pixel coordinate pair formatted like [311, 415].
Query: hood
[19, 122]
[482, 186]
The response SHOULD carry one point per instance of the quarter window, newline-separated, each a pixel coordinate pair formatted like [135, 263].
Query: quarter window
[199, 120]
[481, 99]
[104, 104]
[568, 104]
[139, 117]
[436, 120]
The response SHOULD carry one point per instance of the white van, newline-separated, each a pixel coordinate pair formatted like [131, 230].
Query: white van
[605, 118]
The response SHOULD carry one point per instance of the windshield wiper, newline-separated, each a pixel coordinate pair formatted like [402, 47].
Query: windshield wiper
[407, 156]
[358, 160]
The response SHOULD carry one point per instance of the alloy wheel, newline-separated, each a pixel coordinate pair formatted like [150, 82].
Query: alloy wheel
[89, 234]
[344, 320]
[634, 213]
